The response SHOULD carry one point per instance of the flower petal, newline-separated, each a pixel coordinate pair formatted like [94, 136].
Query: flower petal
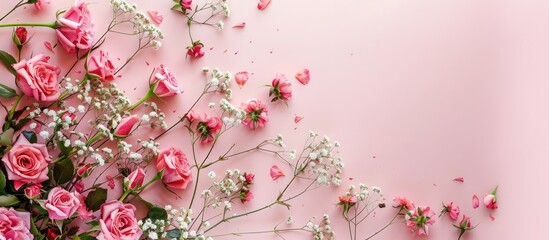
[298, 118]
[156, 17]
[263, 4]
[240, 25]
[241, 78]
[48, 46]
[303, 76]
[458, 179]
[476, 202]
[276, 172]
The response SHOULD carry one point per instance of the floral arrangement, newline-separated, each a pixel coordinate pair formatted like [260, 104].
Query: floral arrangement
[67, 142]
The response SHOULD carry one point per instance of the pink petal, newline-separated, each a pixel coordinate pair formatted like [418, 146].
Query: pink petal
[458, 179]
[240, 25]
[48, 46]
[263, 4]
[241, 78]
[492, 217]
[297, 119]
[156, 17]
[276, 172]
[476, 202]
[303, 76]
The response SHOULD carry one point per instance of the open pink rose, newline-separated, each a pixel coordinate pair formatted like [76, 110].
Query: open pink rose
[419, 220]
[402, 201]
[26, 162]
[276, 172]
[177, 171]
[118, 222]
[303, 76]
[135, 179]
[166, 82]
[38, 79]
[101, 67]
[126, 126]
[75, 31]
[256, 114]
[61, 204]
[14, 225]
[281, 88]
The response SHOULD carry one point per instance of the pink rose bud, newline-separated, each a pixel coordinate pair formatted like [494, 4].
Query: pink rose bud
[135, 179]
[464, 225]
[101, 67]
[126, 126]
[246, 196]
[61, 204]
[75, 31]
[263, 4]
[79, 186]
[186, 4]
[83, 170]
[166, 82]
[476, 202]
[276, 172]
[195, 50]
[33, 191]
[303, 76]
[490, 201]
[20, 36]
[241, 78]
[249, 178]
[281, 88]
[38, 79]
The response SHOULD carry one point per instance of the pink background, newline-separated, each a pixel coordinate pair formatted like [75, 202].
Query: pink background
[417, 92]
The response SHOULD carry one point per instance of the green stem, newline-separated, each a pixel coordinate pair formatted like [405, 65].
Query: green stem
[13, 9]
[50, 25]
[150, 93]
[126, 193]
[14, 107]
[93, 139]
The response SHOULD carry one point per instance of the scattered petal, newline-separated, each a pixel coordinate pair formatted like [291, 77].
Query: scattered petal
[241, 78]
[240, 25]
[458, 179]
[492, 217]
[476, 202]
[297, 118]
[156, 17]
[48, 46]
[147, 63]
[276, 172]
[303, 76]
[263, 4]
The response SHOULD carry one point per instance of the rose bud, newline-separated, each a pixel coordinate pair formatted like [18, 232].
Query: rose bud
[195, 50]
[84, 170]
[52, 234]
[490, 200]
[33, 191]
[126, 126]
[20, 36]
[166, 82]
[135, 179]
[246, 196]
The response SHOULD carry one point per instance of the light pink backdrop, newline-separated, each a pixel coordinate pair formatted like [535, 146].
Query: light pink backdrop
[432, 89]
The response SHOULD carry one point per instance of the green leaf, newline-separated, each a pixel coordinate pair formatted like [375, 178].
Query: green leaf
[174, 233]
[7, 59]
[157, 213]
[2, 182]
[65, 150]
[6, 137]
[30, 135]
[93, 223]
[7, 92]
[63, 171]
[7, 200]
[96, 198]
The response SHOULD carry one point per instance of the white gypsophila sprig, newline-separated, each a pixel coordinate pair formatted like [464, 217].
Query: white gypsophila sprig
[219, 80]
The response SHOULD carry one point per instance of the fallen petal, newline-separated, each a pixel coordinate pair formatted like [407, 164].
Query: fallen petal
[492, 217]
[263, 4]
[240, 25]
[276, 172]
[303, 76]
[458, 179]
[241, 78]
[156, 17]
[48, 46]
[297, 119]
[476, 202]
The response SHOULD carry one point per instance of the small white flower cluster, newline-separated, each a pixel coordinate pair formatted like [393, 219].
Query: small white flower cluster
[225, 189]
[142, 24]
[322, 161]
[234, 115]
[178, 223]
[119, 5]
[220, 80]
[323, 230]
[362, 193]
[279, 141]
[155, 118]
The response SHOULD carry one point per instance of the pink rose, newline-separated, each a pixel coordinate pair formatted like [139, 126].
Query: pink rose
[347, 199]
[248, 178]
[38, 79]
[33, 191]
[195, 50]
[452, 210]
[303, 76]
[281, 88]
[187, 4]
[404, 202]
[14, 225]
[26, 162]
[276, 172]
[490, 201]
[75, 31]
[177, 171]
[79, 186]
[207, 128]
[84, 170]
[420, 219]
[20, 36]
[246, 196]
[61, 204]
[135, 179]
[101, 67]
[166, 83]
[83, 211]
[118, 222]
[241, 78]
[126, 126]
[256, 113]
